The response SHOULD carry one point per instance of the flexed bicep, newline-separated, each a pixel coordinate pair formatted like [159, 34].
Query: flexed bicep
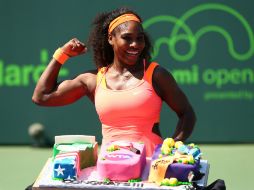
[67, 91]
[64, 93]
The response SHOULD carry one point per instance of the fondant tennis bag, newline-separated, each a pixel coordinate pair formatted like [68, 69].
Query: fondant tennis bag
[174, 160]
[121, 160]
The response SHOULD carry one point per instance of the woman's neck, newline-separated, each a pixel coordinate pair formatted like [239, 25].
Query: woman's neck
[122, 68]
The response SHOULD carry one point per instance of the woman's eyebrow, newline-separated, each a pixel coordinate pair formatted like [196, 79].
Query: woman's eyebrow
[131, 33]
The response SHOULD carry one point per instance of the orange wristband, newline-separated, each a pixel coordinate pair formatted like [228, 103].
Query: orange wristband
[60, 56]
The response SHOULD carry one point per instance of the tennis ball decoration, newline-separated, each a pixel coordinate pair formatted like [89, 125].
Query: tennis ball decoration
[178, 144]
[173, 181]
[169, 141]
[165, 182]
[165, 150]
[169, 182]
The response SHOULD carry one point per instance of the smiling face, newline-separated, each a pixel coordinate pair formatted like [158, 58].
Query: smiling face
[127, 42]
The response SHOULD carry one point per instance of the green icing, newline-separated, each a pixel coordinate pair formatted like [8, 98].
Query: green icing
[134, 180]
[183, 183]
[86, 151]
[106, 180]
[178, 183]
[55, 150]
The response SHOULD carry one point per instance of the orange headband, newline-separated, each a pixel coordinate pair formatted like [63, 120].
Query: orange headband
[121, 19]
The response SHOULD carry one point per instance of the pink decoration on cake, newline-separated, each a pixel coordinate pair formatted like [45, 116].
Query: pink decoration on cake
[121, 160]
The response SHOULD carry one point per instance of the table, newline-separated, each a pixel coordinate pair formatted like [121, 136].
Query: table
[88, 180]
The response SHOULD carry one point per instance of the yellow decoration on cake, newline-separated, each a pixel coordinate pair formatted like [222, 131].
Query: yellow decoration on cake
[191, 145]
[165, 149]
[178, 144]
[185, 161]
[164, 146]
[159, 167]
[190, 159]
[165, 182]
[112, 148]
[172, 181]
[169, 141]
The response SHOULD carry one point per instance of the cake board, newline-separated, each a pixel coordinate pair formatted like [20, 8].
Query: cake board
[88, 180]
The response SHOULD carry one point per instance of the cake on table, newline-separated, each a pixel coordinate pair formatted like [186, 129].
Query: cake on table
[76, 165]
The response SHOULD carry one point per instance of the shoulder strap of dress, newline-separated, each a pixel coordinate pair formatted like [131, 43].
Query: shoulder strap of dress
[149, 72]
[101, 76]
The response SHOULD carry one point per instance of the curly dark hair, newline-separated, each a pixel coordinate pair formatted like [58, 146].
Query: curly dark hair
[103, 54]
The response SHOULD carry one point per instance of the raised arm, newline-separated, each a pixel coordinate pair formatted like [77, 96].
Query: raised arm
[50, 93]
[167, 88]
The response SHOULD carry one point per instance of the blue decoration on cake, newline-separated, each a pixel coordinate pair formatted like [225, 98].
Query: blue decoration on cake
[65, 167]
[195, 152]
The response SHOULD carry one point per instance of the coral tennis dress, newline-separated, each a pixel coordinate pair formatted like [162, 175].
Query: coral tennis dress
[129, 114]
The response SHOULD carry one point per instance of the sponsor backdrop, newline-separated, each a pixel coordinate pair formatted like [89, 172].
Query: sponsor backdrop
[207, 45]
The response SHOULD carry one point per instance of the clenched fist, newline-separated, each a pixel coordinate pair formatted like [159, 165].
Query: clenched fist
[74, 47]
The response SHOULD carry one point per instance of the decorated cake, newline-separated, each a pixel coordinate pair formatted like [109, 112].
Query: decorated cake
[121, 165]
[71, 154]
[121, 160]
[174, 163]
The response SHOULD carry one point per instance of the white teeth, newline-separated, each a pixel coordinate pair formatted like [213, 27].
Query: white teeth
[132, 52]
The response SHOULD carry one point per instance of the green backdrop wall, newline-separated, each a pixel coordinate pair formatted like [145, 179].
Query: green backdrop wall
[207, 45]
